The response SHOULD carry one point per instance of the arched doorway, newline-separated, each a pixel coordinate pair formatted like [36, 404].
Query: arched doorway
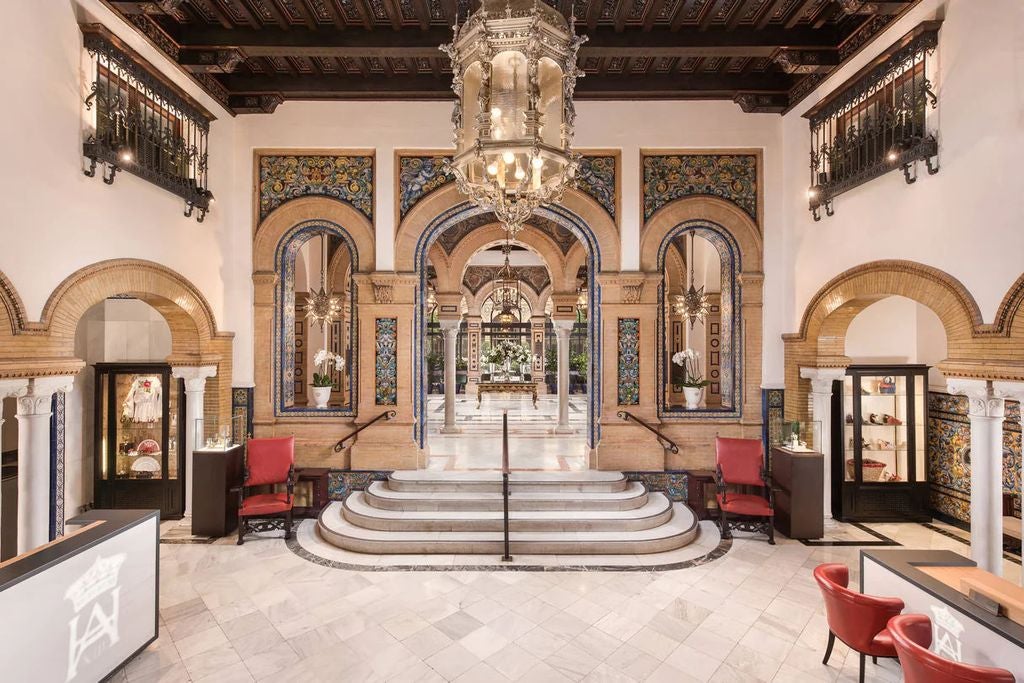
[560, 224]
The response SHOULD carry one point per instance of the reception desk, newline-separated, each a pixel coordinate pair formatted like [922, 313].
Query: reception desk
[935, 583]
[79, 607]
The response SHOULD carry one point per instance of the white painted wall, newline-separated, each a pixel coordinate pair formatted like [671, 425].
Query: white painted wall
[56, 220]
[966, 220]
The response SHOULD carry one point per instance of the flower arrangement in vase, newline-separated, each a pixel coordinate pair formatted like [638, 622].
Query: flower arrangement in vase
[322, 382]
[693, 378]
[507, 353]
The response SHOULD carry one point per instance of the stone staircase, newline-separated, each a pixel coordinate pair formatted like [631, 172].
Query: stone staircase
[550, 513]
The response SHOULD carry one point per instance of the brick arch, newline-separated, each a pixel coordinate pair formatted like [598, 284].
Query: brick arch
[11, 307]
[288, 215]
[448, 197]
[529, 236]
[712, 209]
[576, 258]
[1009, 319]
[194, 333]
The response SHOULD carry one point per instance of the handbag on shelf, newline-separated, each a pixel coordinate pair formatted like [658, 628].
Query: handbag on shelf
[887, 386]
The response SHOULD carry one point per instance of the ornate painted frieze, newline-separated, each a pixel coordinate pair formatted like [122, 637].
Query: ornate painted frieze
[560, 235]
[418, 176]
[386, 363]
[668, 177]
[345, 177]
[629, 361]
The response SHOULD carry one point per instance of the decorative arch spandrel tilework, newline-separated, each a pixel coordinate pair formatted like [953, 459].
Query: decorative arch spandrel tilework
[346, 177]
[420, 175]
[667, 177]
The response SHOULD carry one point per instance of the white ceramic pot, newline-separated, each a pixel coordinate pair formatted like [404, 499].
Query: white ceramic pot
[692, 395]
[321, 395]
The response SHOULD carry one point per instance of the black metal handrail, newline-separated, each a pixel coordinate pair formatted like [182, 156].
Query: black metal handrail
[507, 557]
[662, 439]
[386, 415]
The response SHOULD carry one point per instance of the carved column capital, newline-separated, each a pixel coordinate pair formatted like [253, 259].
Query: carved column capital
[13, 388]
[981, 397]
[563, 327]
[450, 328]
[822, 378]
[39, 394]
[195, 376]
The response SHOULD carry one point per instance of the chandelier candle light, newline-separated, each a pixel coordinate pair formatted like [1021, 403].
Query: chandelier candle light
[515, 74]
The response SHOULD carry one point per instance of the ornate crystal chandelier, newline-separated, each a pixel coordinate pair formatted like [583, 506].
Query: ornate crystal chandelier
[322, 307]
[693, 303]
[507, 291]
[515, 73]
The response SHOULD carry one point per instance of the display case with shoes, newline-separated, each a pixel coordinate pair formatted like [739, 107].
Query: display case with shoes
[884, 412]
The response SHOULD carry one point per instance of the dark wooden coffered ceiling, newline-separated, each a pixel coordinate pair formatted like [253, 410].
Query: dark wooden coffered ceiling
[251, 55]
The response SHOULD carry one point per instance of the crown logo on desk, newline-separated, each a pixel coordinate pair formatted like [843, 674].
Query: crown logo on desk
[99, 579]
[945, 620]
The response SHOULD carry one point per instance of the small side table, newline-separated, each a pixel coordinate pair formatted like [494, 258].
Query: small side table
[316, 478]
[696, 484]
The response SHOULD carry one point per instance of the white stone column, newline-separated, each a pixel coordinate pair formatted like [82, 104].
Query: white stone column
[34, 459]
[563, 328]
[986, 413]
[450, 330]
[821, 412]
[195, 377]
[1014, 391]
[9, 388]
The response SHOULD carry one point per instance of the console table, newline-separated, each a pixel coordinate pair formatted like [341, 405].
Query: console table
[528, 388]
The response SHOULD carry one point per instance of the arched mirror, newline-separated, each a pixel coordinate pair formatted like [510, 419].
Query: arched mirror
[317, 330]
[699, 322]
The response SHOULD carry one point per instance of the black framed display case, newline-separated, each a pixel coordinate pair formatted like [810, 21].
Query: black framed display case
[139, 438]
[880, 444]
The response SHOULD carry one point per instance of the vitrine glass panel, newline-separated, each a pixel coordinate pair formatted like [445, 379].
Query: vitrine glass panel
[139, 431]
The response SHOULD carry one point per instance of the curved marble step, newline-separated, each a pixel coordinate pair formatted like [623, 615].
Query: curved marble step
[357, 511]
[586, 480]
[679, 531]
[379, 495]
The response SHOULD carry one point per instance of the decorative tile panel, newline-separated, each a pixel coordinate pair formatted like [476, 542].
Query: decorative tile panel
[345, 177]
[949, 443]
[672, 484]
[629, 361]
[241, 406]
[340, 483]
[57, 436]
[478, 276]
[772, 404]
[386, 365]
[418, 176]
[668, 177]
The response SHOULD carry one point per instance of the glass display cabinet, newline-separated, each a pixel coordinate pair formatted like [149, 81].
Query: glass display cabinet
[139, 438]
[881, 441]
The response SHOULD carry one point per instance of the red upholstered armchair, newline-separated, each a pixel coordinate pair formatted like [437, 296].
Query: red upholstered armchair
[741, 462]
[912, 636]
[856, 619]
[267, 462]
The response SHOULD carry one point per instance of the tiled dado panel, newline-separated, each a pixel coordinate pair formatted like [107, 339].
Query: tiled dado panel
[386, 364]
[949, 440]
[629, 361]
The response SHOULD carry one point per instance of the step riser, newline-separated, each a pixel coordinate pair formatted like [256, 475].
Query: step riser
[495, 487]
[427, 504]
[443, 547]
[567, 525]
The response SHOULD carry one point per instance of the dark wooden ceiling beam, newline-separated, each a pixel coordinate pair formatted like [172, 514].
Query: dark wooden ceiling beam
[336, 15]
[738, 12]
[593, 13]
[243, 9]
[767, 12]
[682, 10]
[713, 8]
[276, 12]
[798, 12]
[412, 85]
[415, 42]
[394, 13]
[307, 14]
[653, 10]
[364, 13]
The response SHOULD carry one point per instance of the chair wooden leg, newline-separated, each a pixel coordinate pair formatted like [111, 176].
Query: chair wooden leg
[828, 650]
[723, 523]
[861, 679]
[832, 642]
[287, 525]
[874, 660]
[771, 531]
[241, 530]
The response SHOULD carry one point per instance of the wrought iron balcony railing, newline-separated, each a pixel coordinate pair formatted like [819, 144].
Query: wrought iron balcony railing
[144, 124]
[875, 122]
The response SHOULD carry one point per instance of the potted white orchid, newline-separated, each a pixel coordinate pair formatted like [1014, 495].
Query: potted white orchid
[693, 377]
[322, 381]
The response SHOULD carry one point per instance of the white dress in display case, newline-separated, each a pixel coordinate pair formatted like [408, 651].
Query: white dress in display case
[143, 402]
